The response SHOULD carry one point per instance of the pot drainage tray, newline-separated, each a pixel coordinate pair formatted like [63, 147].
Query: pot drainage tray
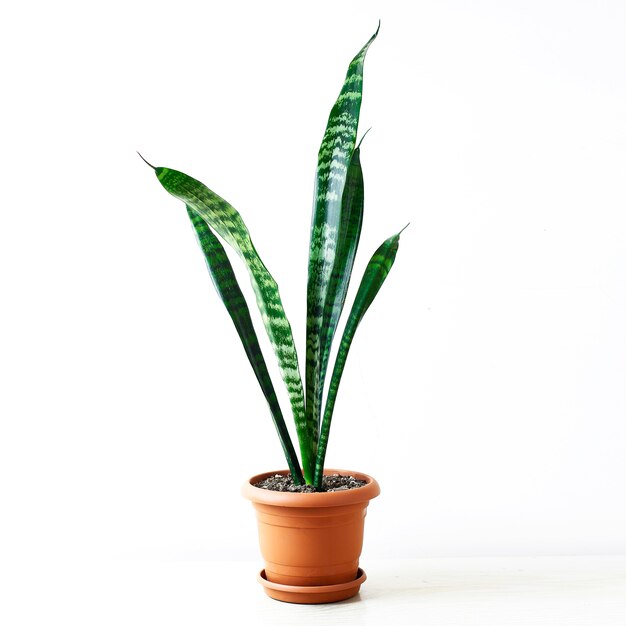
[318, 594]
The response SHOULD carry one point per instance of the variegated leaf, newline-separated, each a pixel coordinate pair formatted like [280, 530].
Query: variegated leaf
[375, 274]
[227, 222]
[348, 238]
[227, 287]
[334, 158]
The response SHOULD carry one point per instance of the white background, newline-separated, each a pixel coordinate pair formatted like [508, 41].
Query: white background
[485, 388]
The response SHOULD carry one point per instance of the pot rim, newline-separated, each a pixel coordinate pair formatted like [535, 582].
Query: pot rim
[324, 499]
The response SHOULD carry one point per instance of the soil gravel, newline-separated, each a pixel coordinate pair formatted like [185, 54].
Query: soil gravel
[332, 482]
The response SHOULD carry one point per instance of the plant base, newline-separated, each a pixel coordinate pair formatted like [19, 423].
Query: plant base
[315, 594]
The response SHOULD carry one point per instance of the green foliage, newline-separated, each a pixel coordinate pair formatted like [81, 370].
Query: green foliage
[335, 233]
[376, 272]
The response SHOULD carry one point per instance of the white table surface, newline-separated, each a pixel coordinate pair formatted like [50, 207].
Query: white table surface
[540, 591]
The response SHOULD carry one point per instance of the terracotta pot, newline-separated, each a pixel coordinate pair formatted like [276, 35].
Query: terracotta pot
[311, 540]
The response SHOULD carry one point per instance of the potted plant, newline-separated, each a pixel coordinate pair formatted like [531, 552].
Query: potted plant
[310, 518]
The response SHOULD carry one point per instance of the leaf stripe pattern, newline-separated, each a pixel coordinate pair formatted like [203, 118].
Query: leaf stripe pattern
[227, 287]
[375, 274]
[227, 222]
[347, 245]
[334, 156]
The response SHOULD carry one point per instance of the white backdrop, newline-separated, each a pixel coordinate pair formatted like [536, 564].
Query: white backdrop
[485, 389]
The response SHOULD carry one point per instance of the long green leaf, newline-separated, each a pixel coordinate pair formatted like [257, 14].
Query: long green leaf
[347, 245]
[334, 158]
[227, 287]
[227, 222]
[375, 274]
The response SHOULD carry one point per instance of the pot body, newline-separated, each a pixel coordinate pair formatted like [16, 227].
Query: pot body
[311, 539]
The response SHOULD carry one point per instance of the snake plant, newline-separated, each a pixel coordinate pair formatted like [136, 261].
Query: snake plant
[335, 233]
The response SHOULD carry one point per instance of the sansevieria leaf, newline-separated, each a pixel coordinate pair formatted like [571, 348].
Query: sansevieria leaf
[228, 289]
[375, 274]
[227, 222]
[335, 155]
[349, 234]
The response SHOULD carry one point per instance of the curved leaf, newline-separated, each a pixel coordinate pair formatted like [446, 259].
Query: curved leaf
[375, 274]
[227, 222]
[334, 158]
[227, 287]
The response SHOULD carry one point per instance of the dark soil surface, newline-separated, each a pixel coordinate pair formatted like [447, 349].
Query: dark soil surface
[334, 482]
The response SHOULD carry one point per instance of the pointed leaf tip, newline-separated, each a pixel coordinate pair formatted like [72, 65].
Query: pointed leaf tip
[362, 138]
[367, 45]
[404, 229]
[146, 162]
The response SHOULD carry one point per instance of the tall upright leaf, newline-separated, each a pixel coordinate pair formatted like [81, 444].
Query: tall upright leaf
[348, 238]
[375, 274]
[228, 289]
[334, 158]
[227, 222]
